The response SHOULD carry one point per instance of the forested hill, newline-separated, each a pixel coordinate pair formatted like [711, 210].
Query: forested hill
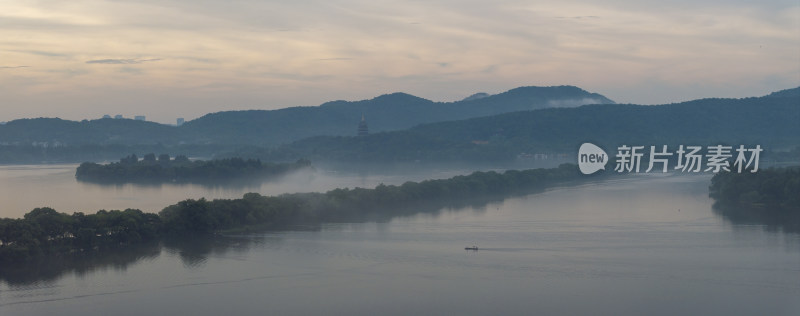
[58, 132]
[770, 121]
[272, 127]
[388, 112]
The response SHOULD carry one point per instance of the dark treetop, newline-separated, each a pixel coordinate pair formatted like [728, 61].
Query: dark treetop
[163, 169]
[769, 196]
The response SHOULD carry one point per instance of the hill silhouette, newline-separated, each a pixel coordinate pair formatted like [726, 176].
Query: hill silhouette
[533, 120]
[387, 112]
[769, 121]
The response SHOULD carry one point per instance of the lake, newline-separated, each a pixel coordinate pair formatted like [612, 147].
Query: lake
[639, 245]
[25, 187]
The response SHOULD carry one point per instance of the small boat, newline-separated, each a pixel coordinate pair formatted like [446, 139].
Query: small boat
[473, 248]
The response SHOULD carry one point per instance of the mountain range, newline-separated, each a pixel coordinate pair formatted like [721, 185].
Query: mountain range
[770, 121]
[388, 112]
[482, 128]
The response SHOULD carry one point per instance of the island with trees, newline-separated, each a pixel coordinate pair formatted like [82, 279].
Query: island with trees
[152, 169]
[770, 197]
[44, 231]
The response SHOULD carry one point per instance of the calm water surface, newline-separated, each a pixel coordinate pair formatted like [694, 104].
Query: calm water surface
[648, 245]
[25, 187]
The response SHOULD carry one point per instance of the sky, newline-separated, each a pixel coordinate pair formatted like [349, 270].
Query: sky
[184, 58]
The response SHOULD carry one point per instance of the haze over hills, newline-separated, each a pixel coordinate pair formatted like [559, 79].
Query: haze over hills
[546, 121]
[770, 121]
[272, 127]
[387, 112]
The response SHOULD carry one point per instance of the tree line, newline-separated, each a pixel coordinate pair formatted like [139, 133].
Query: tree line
[180, 169]
[769, 196]
[46, 231]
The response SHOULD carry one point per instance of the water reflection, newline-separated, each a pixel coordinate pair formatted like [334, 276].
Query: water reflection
[23, 188]
[654, 240]
[52, 268]
[770, 219]
[239, 184]
[194, 251]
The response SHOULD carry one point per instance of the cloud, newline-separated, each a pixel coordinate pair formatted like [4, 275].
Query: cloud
[578, 17]
[13, 67]
[272, 53]
[121, 61]
[69, 72]
[571, 103]
[41, 53]
[130, 70]
[296, 77]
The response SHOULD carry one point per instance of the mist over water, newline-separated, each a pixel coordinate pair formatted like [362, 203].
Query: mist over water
[25, 187]
[639, 245]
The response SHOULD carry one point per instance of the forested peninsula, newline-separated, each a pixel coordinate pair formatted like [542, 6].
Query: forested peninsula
[152, 169]
[770, 197]
[44, 231]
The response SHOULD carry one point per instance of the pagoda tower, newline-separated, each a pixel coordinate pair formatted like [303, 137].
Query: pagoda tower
[362, 127]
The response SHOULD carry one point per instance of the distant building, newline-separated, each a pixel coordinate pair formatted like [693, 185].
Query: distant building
[362, 127]
[106, 116]
[139, 117]
[118, 116]
[180, 121]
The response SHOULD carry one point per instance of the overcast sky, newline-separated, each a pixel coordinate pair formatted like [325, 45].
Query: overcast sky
[180, 58]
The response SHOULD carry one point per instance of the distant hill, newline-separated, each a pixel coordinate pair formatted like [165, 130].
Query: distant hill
[788, 93]
[770, 121]
[405, 128]
[58, 132]
[479, 95]
[388, 112]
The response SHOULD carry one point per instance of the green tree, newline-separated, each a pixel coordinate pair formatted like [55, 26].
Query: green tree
[149, 158]
[163, 159]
